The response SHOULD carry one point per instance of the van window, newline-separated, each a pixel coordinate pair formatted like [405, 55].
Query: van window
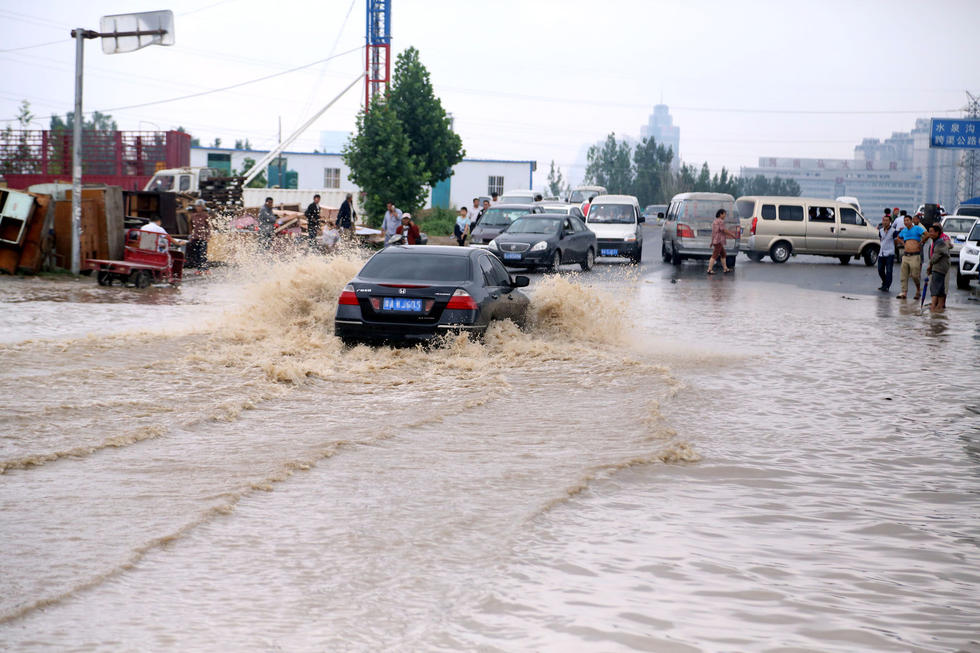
[821, 214]
[612, 213]
[850, 216]
[746, 208]
[702, 209]
[791, 213]
[768, 211]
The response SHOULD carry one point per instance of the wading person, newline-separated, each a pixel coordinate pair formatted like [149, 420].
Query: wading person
[313, 225]
[938, 267]
[330, 237]
[409, 229]
[718, 235]
[462, 227]
[267, 224]
[197, 246]
[391, 221]
[475, 210]
[887, 233]
[347, 216]
[911, 239]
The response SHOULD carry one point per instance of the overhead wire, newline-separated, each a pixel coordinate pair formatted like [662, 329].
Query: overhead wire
[36, 45]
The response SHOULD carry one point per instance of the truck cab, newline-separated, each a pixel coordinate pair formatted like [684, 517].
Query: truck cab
[180, 180]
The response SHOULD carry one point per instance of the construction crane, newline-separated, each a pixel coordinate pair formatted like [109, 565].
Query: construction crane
[377, 57]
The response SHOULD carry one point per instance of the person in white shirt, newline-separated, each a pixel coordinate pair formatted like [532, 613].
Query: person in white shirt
[391, 222]
[330, 237]
[886, 252]
[154, 226]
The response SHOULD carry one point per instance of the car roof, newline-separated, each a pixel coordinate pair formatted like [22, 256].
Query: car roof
[513, 205]
[704, 196]
[442, 250]
[790, 198]
[589, 188]
[615, 199]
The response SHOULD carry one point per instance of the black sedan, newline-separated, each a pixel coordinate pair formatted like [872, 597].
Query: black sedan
[546, 241]
[496, 219]
[415, 292]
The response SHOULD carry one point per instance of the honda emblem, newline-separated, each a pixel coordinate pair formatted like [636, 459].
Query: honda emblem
[401, 291]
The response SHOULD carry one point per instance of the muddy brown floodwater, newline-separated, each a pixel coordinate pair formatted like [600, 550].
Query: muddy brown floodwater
[660, 462]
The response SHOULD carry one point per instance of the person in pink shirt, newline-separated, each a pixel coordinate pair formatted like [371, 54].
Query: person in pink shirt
[718, 235]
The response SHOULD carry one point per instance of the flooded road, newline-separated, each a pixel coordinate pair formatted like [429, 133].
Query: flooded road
[777, 459]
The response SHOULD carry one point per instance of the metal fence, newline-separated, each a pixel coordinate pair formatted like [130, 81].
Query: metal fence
[119, 153]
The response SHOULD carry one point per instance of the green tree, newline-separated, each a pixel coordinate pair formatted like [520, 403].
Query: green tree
[382, 164]
[723, 182]
[247, 164]
[244, 144]
[217, 142]
[99, 140]
[99, 122]
[610, 165]
[431, 138]
[760, 185]
[556, 183]
[651, 164]
[15, 152]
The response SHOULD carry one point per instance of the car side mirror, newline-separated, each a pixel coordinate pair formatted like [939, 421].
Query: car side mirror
[520, 281]
[642, 219]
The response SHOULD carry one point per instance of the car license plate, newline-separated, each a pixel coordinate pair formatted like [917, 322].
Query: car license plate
[402, 304]
[608, 252]
[512, 256]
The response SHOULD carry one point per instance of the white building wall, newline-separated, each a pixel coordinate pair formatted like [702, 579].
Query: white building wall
[471, 178]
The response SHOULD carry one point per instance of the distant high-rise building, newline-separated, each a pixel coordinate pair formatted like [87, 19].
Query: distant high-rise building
[662, 129]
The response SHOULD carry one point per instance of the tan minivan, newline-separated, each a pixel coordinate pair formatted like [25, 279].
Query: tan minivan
[781, 227]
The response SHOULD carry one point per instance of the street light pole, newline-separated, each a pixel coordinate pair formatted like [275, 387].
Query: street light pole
[76, 155]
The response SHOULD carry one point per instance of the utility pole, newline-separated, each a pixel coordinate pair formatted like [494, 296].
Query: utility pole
[968, 185]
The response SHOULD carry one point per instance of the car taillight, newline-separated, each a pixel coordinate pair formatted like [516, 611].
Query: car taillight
[461, 300]
[684, 231]
[347, 296]
[755, 221]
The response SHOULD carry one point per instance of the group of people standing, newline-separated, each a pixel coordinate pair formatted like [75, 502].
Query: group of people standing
[907, 232]
[469, 218]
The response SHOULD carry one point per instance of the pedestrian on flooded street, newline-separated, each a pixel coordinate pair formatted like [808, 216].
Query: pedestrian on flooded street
[267, 224]
[409, 230]
[887, 233]
[391, 221]
[313, 225]
[938, 267]
[462, 227]
[911, 239]
[197, 246]
[718, 235]
[347, 216]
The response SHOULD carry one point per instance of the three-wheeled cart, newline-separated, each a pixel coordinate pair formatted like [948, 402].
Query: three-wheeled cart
[147, 258]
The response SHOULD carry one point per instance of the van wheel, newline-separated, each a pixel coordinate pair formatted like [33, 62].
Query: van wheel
[664, 254]
[589, 261]
[730, 260]
[675, 258]
[755, 256]
[779, 253]
[870, 255]
[844, 260]
[962, 282]
[635, 260]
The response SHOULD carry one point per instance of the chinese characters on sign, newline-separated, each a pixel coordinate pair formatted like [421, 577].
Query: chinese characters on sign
[955, 133]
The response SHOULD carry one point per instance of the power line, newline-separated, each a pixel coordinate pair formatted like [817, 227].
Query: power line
[212, 91]
[37, 45]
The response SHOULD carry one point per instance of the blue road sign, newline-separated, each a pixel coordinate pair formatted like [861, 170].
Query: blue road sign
[955, 133]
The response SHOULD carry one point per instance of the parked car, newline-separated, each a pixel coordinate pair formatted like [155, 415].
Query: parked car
[957, 227]
[546, 240]
[969, 210]
[780, 227]
[686, 232]
[562, 208]
[581, 194]
[415, 293]
[616, 221]
[518, 196]
[969, 258]
[496, 219]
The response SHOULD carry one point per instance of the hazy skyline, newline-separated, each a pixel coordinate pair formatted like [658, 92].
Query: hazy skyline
[525, 80]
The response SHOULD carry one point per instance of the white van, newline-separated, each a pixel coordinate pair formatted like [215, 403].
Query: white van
[686, 232]
[616, 220]
[780, 227]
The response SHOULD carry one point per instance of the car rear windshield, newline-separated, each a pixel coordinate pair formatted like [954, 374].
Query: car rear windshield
[534, 226]
[500, 217]
[958, 225]
[745, 208]
[556, 209]
[704, 210]
[579, 196]
[972, 211]
[612, 213]
[417, 267]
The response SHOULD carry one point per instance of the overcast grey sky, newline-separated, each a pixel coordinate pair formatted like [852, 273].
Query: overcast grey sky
[525, 79]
